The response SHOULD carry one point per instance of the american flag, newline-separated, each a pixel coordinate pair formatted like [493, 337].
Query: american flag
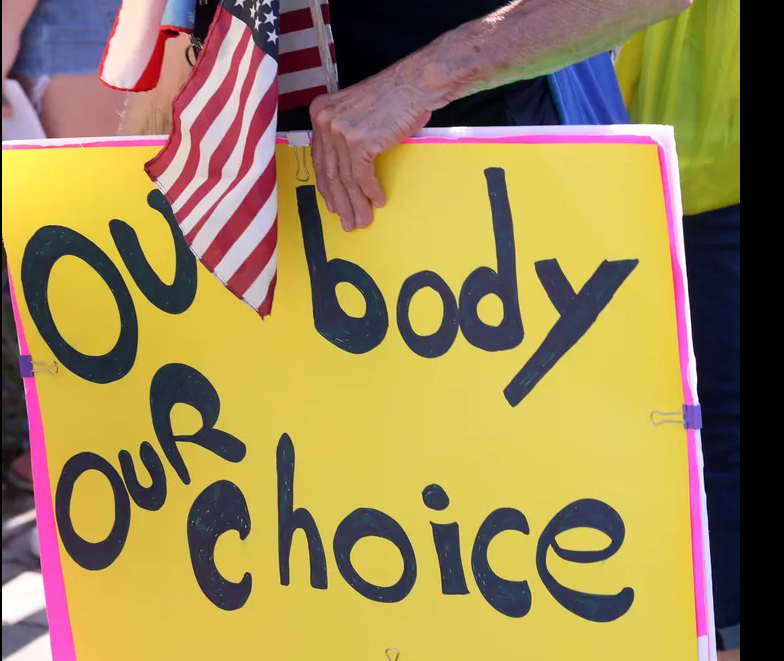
[217, 169]
[133, 56]
[302, 77]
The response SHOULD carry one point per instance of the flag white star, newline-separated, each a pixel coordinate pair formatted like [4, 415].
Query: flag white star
[256, 24]
[239, 3]
[267, 3]
[269, 18]
[253, 12]
[272, 36]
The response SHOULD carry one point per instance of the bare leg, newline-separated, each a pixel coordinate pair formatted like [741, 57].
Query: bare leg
[78, 106]
[150, 113]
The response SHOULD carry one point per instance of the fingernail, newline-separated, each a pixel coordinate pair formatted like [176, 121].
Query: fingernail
[377, 204]
[329, 207]
[346, 224]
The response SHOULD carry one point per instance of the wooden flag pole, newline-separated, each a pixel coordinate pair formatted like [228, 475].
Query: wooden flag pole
[323, 45]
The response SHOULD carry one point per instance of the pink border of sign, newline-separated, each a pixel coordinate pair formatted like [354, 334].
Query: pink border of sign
[662, 137]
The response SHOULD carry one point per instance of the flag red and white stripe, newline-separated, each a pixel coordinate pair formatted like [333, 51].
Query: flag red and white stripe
[218, 168]
[302, 76]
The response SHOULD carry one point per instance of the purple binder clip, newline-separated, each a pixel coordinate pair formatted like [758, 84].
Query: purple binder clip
[27, 367]
[692, 417]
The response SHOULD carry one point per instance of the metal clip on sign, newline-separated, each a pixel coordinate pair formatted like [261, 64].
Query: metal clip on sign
[690, 417]
[28, 367]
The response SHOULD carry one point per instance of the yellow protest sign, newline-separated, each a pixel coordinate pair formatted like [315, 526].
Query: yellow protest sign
[439, 443]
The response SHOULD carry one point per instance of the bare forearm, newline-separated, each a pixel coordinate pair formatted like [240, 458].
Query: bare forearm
[526, 39]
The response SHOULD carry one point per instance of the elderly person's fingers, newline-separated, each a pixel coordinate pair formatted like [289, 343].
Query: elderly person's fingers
[317, 153]
[334, 183]
[350, 129]
[326, 163]
[364, 171]
[361, 206]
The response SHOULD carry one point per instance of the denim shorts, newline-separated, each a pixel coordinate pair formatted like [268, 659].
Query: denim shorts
[65, 37]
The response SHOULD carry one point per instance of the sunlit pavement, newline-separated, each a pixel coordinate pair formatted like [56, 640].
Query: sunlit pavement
[25, 629]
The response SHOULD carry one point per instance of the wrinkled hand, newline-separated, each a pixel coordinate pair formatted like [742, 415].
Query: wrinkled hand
[350, 129]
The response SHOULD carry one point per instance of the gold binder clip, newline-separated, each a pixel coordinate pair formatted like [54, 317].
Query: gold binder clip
[390, 652]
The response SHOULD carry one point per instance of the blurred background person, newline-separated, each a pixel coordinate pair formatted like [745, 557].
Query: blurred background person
[686, 72]
[54, 48]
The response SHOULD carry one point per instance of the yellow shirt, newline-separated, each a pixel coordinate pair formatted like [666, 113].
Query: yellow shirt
[686, 72]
